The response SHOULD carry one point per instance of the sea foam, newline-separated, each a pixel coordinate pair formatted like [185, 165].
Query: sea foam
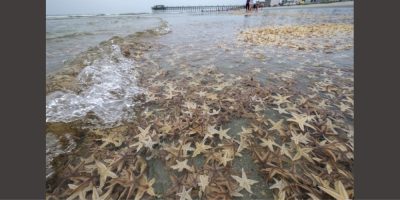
[108, 86]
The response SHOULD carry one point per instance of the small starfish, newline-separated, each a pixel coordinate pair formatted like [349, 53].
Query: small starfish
[182, 165]
[143, 132]
[301, 120]
[201, 93]
[190, 105]
[145, 186]
[203, 182]
[258, 108]
[151, 97]
[323, 105]
[242, 145]
[285, 151]
[225, 158]
[185, 194]
[211, 131]
[170, 95]
[280, 185]
[330, 126]
[244, 182]
[166, 128]
[292, 107]
[299, 138]
[147, 114]
[185, 148]
[281, 110]
[280, 99]
[343, 107]
[115, 139]
[79, 191]
[303, 152]
[269, 143]
[200, 147]
[211, 96]
[349, 100]
[104, 172]
[222, 133]
[277, 126]
[338, 193]
[245, 132]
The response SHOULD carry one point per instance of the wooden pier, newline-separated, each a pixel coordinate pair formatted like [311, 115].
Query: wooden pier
[197, 8]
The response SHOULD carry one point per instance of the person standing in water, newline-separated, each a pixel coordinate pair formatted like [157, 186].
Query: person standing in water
[247, 5]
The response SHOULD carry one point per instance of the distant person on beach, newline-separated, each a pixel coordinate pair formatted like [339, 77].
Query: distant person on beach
[255, 6]
[247, 5]
[251, 4]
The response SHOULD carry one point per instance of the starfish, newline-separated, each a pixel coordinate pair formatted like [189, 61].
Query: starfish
[185, 194]
[174, 151]
[185, 148]
[145, 186]
[210, 132]
[244, 182]
[222, 133]
[339, 192]
[245, 132]
[343, 107]
[292, 107]
[299, 138]
[203, 182]
[151, 97]
[330, 126]
[200, 147]
[225, 158]
[280, 99]
[302, 100]
[303, 152]
[201, 93]
[143, 132]
[280, 185]
[285, 151]
[322, 104]
[269, 143]
[105, 196]
[281, 110]
[211, 96]
[139, 145]
[205, 108]
[79, 191]
[170, 95]
[115, 139]
[146, 113]
[190, 105]
[277, 126]
[242, 145]
[182, 165]
[349, 100]
[301, 120]
[166, 128]
[104, 172]
[149, 143]
[258, 108]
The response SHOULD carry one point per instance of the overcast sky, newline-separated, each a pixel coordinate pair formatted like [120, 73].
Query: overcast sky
[60, 7]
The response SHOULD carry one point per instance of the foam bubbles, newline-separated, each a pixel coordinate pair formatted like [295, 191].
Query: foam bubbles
[107, 89]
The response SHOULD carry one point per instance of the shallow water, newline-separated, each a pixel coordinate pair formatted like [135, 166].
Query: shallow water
[66, 37]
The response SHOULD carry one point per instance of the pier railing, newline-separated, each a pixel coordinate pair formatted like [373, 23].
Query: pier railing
[197, 8]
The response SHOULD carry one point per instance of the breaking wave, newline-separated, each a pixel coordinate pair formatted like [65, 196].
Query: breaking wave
[108, 87]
